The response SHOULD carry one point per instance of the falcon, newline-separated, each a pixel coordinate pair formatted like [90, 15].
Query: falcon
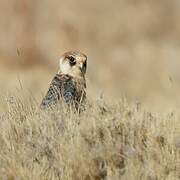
[69, 84]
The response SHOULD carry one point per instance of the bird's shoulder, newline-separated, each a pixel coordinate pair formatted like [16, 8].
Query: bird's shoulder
[61, 79]
[58, 78]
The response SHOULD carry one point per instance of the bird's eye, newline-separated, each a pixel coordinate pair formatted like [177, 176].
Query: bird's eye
[72, 60]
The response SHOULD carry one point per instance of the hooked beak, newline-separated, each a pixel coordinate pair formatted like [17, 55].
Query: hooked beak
[81, 66]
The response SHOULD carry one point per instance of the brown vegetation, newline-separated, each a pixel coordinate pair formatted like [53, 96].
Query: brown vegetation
[117, 141]
[133, 50]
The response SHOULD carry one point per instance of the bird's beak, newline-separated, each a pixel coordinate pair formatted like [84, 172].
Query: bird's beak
[81, 65]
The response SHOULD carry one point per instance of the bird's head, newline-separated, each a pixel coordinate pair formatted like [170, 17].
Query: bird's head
[73, 63]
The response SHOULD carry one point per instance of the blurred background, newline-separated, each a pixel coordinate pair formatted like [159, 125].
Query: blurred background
[133, 47]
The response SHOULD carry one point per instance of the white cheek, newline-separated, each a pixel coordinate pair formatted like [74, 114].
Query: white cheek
[64, 67]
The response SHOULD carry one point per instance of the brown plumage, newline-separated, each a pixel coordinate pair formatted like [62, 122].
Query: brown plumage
[69, 84]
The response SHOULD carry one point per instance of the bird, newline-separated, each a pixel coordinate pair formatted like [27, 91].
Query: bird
[69, 84]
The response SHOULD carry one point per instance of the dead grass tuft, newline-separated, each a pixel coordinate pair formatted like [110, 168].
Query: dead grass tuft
[120, 141]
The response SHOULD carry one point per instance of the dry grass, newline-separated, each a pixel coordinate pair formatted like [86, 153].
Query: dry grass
[108, 141]
[133, 49]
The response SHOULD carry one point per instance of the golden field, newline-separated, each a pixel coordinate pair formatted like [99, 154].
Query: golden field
[107, 141]
[131, 127]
